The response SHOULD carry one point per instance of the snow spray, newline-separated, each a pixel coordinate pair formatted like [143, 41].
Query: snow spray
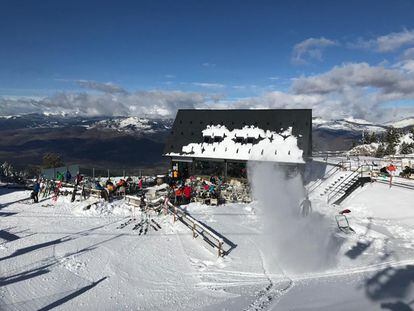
[290, 242]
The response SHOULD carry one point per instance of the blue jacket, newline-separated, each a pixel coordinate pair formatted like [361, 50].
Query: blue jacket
[36, 187]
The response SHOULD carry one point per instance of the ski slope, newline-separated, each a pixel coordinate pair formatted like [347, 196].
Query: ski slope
[61, 257]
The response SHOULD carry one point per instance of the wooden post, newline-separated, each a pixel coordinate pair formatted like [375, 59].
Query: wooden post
[166, 206]
[225, 170]
[220, 248]
[194, 230]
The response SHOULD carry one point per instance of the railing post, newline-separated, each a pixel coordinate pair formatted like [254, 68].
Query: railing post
[166, 206]
[194, 231]
[175, 213]
[220, 248]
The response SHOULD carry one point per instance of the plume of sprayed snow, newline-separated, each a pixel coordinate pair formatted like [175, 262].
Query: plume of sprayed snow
[290, 242]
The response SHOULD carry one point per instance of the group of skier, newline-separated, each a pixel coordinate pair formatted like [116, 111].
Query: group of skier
[41, 184]
[67, 177]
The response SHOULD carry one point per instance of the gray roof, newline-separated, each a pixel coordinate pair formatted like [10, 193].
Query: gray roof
[189, 124]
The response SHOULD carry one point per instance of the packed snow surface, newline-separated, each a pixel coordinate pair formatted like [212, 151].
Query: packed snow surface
[61, 256]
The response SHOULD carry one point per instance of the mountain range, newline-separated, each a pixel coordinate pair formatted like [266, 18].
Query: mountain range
[134, 142]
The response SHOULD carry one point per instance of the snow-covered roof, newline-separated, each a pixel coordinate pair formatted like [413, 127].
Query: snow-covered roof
[215, 128]
[215, 131]
[272, 146]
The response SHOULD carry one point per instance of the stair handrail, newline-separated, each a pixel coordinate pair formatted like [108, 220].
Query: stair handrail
[338, 187]
[320, 181]
[358, 171]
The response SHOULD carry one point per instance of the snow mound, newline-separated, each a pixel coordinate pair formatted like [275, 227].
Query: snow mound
[365, 149]
[102, 208]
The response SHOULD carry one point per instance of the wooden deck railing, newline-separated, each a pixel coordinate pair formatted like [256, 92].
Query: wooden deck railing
[197, 228]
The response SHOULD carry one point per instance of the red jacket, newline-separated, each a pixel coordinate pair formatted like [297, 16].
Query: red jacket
[187, 192]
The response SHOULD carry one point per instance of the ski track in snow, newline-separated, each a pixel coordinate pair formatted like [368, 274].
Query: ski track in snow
[87, 263]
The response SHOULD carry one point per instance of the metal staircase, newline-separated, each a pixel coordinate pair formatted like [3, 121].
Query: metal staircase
[334, 183]
[334, 170]
[349, 184]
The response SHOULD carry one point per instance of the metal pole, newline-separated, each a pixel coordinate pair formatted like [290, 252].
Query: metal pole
[108, 173]
[93, 173]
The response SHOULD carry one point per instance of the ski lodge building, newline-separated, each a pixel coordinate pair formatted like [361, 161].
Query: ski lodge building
[220, 142]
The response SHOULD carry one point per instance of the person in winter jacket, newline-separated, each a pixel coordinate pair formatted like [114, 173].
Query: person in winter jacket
[121, 183]
[98, 186]
[68, 176]
[178, 195]
[306, 207]
[78, 179]
[35, 193]
[186, 194]
[60, 176]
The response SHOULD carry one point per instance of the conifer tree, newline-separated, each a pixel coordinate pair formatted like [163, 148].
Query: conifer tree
[380, 151]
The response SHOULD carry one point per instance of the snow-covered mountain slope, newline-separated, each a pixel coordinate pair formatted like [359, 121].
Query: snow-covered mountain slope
[129, 125]
[133, 125]
[371, 149]
[348, 125]
[407, 122]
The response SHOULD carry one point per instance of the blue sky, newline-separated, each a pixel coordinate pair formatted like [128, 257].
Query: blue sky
[229, 50]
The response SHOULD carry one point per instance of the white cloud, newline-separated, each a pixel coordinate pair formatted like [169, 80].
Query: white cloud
[407, 65]
[408, 54]
[357, 75]
[209, 85]
[150, 103]
[386, 43]
[207, 64]
[395, 40]
[107, 87]
[356, 90]
[310, 49]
